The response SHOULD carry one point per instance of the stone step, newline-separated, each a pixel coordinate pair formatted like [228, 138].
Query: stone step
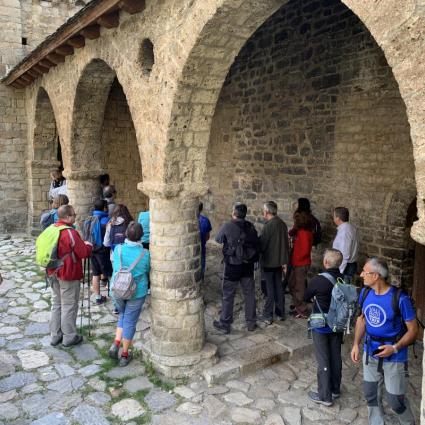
[250, 359]
[246, 361]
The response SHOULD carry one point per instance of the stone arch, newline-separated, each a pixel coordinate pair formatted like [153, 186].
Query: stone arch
[45, 156]
[91, 147]
[210, 53]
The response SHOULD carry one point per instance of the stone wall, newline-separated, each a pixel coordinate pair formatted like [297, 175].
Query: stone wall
[23, 25]
[310, 108]
[120, 155]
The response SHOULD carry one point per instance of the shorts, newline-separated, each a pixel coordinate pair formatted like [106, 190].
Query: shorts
[101, 263]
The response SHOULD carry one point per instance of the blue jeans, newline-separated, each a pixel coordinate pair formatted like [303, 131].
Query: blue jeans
[129, 311]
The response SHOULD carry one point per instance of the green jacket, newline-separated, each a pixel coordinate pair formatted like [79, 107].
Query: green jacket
[274, 243]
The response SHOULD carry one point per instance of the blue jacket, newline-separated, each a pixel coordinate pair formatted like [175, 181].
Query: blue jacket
[130, 251]
[144, 220]
[99, 231]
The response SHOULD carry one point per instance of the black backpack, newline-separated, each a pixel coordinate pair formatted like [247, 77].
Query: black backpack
[245, 248]
[117, 234]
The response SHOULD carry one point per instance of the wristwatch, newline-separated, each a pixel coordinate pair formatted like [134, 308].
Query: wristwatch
[395, 349]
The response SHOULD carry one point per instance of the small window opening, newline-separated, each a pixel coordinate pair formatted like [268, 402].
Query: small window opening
[24, 41]
[147, 58]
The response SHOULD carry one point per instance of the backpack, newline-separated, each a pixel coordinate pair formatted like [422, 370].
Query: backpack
[244, 249]
[317, 231]
[124, 285]
[117, 234]
[92, 232]
[343, 305]
[47, 218]
[46, 247]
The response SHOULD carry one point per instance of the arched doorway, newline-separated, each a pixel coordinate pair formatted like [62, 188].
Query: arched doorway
[103, 141]
[46, 157]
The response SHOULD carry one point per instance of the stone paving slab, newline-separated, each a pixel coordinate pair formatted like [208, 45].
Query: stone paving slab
[82, 386]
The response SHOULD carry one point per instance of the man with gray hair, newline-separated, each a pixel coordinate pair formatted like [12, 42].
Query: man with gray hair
[388, 323]
[327, 344]
[274, 258]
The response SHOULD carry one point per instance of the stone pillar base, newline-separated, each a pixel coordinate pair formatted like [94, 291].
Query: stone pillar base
[186, 365]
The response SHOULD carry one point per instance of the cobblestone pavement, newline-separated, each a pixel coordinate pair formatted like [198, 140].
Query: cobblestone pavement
[40, 384]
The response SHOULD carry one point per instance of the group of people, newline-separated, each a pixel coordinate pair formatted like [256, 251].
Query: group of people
[386, 321]
[114, 242]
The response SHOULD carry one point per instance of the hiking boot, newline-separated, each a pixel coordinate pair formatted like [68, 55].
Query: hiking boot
[56, 340]
[251, 328]
[78, 339]
[266, 320]
[113, 351]
[314, 396]
[101, 300]
[221, 327]
[124, 361]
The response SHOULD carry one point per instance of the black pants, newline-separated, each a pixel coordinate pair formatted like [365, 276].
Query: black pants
[275, 295]
[327, 348]
[229, 290]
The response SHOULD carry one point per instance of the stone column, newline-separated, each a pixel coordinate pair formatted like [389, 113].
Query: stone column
[38, 190]
[83, 190]
[177, 345]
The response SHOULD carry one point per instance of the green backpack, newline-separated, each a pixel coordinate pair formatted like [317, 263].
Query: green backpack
[46, 247]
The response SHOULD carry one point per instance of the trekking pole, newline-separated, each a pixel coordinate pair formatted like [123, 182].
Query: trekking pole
[88, 285]
[82, 298]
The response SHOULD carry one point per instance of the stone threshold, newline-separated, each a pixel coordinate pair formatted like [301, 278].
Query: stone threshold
[250, 359]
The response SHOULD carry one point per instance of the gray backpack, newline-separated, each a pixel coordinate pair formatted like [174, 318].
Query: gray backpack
[343, 305]
[123, 284]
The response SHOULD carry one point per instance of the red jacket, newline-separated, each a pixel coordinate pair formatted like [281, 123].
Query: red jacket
[301, 252]
[71, 270]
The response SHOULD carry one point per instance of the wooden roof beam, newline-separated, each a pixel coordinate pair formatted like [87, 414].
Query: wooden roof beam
[110, 20]
[55, 58]
[33, 73]
[91, 32]
[46, 63]
[65, 50]
[27, 78]
[40, 68]
[132, 6]
[78, 41]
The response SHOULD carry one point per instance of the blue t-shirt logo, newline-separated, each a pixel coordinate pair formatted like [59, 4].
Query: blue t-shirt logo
[375, 315]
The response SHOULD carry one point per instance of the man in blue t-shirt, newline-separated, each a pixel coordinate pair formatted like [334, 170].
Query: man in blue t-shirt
[204, 230]
[388, 334]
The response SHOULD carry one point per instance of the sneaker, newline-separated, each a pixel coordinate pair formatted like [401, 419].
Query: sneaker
[313, 396]
[220, 327]
[336, 395]
[251, 328]
[124, 361]
[101, 300]
[78, 339]
[281, 318]
[113, 351]
[56, 340]
[116, 311]
[265, 320]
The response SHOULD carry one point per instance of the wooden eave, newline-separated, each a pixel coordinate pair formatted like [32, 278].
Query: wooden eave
[84, 24]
